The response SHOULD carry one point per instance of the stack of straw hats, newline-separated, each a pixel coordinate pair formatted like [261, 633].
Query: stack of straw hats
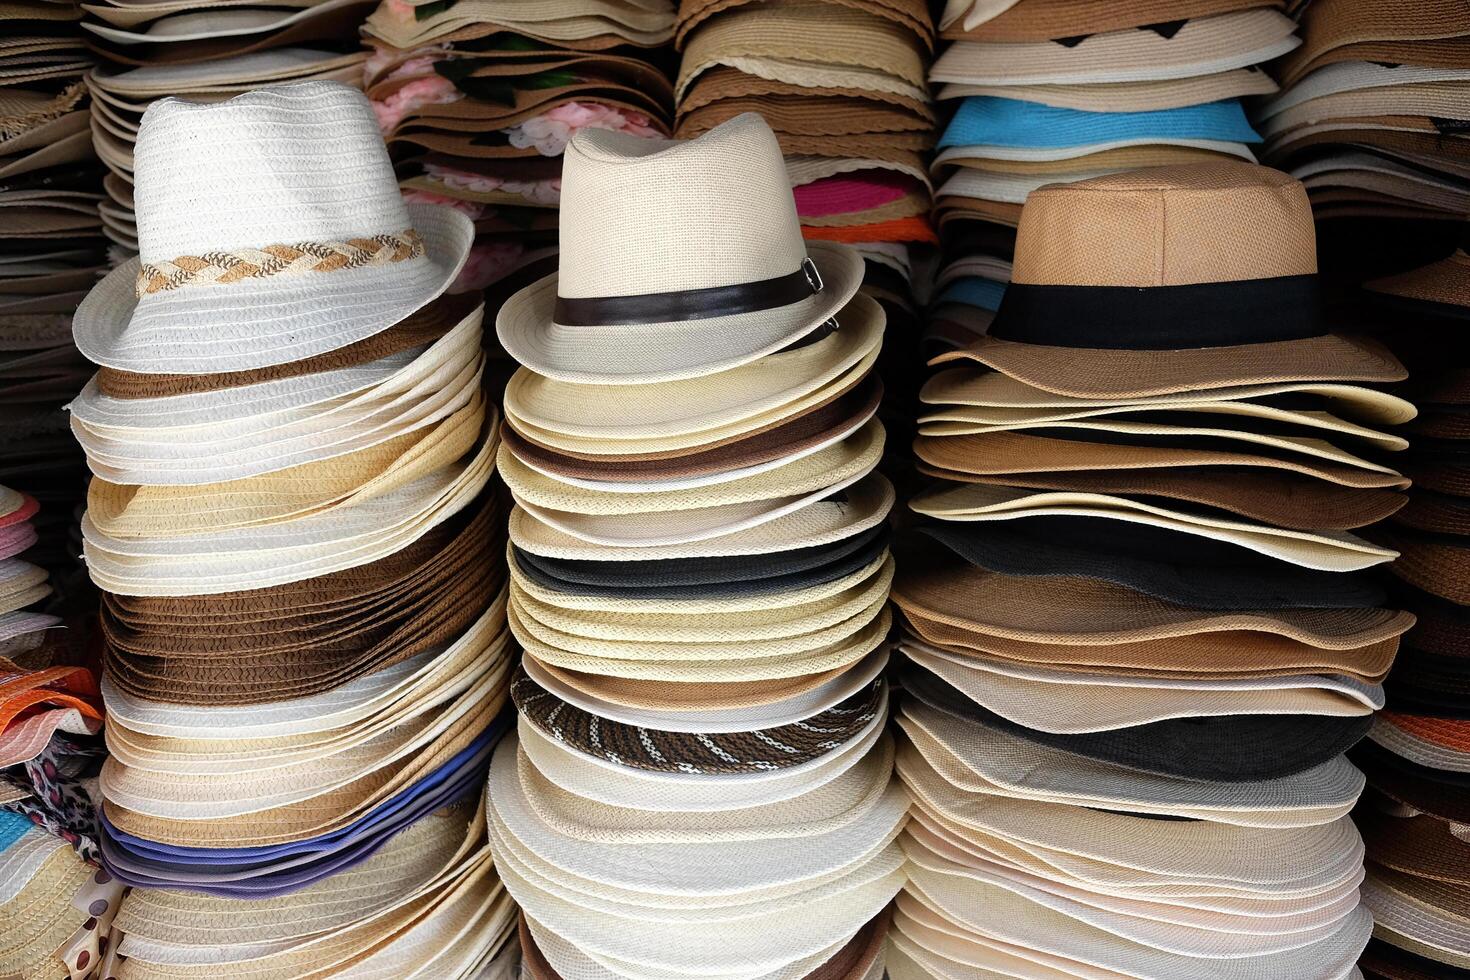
[58, 909]
[292, 523]
[1143, 598]
[478, 100]
[842, 84]
[203, 52]
[51, 253]
[1047, 92]
[699, 576]
[1375, 105]
[25, 634]
[1418, 754]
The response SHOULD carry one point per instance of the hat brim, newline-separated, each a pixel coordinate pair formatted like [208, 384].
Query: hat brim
[1094, 373]
[672, 351]
[201, 330]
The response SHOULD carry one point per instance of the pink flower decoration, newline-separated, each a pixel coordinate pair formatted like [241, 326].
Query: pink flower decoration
[427, 90]
[420, 61]
[550, 132]
[537, 191]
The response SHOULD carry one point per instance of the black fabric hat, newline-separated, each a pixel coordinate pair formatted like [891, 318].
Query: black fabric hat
[1170, 565]
[1229, 749]
[707, 578]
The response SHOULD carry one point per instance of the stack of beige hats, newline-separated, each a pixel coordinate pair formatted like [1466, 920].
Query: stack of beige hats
[51, 253]
[293, 525]
[1047, 92]
[203, 52]
[478, 100]
[1139, 636]
[1374, 110]
[699, 578]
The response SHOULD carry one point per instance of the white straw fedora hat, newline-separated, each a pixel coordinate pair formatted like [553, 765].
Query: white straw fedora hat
[678, 259]
[270, 229]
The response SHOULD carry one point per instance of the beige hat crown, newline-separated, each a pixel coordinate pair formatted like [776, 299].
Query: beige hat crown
[642, 216]
[1167, 226]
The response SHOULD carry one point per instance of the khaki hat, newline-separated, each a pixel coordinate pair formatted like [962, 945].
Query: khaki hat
[1218, 259]
[1037, 20]
[1339, 30]
[1128, 96]
[997, 453]
[1337, 551]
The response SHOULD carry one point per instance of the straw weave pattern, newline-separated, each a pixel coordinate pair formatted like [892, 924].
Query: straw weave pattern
[292, 259]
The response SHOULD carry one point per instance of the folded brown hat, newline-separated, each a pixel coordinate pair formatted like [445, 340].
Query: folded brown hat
[997, 453]
[722, 82]
[423, 327]
[802, 115]
[1229, 654]
[1439, 565]
[1282, 499]
[1068, 610]
[1415, 32]
[1419, 845]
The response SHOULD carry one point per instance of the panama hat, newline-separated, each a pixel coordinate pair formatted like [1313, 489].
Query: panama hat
[326, 255]
[1245, 287]
[600, 321]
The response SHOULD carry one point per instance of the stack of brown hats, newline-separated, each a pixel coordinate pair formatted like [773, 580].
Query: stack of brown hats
[1046, 92]
[51, 253]
[1374, 109]
[842, 84]
[1417, 758]
[1142, 598]
[699, 579]
[293, 524]
[478, 100]
[205, 52]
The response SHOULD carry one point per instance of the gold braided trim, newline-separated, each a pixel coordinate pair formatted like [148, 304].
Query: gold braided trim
[298, 258]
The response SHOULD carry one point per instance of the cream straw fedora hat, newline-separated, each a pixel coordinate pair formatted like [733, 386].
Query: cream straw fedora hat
[678, 259]
[270, 229]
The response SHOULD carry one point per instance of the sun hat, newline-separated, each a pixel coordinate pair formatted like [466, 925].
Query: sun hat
[995, 453]
[1191, 47]
[985, 759]
[1227, 748]
[1031, 20]
[1337, 31]
[1245, 287]
[410, 254]
[858, 508]
[1441, 288]
[1008, 129]
[707, 578]
[800, 287]
[1334, 551]
[1166, 564]
[1093, 613]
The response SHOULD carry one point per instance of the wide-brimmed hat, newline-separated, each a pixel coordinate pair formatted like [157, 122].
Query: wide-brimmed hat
[1389, 31]
[241, 267]
[1047, 20]
[722, 275]
[1168, 280]
[1441, 288]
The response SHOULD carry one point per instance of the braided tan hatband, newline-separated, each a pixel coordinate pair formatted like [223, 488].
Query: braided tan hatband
[277, 260]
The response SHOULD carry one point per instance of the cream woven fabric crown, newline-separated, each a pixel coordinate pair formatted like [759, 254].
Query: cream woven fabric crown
[270, 228]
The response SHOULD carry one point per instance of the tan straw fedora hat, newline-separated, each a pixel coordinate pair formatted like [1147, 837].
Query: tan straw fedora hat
[722, 275]
[1168, 280]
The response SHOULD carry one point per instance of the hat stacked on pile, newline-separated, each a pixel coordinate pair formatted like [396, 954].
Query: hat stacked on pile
[1418, 754]
[699, 577]
[51, 253]
[842, 84]
[478, 100]
[293, 525]
[1374, 111]
[1138, 635]
[25, 634]
[203, 51]
[1047, 92]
